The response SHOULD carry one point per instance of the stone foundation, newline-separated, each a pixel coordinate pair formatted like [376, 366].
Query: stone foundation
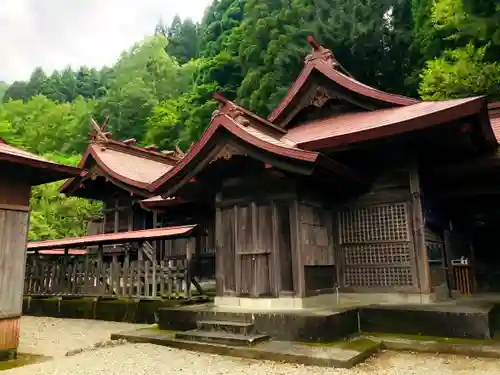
[9, 336]
[128, 310]
[295, 325]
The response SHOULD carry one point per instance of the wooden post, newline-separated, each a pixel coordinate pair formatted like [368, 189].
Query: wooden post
[421, 265]
[140, 265]
[190, 244]
[297, 264]
[153, 274]
[100, 280]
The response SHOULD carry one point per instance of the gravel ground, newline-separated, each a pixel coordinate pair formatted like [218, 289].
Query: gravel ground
[53, 336]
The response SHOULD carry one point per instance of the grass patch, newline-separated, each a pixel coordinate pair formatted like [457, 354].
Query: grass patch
[22, 360]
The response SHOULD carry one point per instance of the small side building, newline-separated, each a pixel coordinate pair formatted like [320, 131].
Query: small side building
[118, 173]
[20, 170]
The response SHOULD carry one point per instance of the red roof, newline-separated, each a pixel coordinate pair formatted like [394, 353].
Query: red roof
[251, 131]
[47, 171]
[321, 60]
[115, 238]
[128, 164]
[348, 128]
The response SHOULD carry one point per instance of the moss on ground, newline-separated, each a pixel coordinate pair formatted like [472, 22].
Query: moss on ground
[431, 338]
[22, 360]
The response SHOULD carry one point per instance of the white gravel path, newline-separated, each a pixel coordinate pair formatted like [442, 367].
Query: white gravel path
[54, 336]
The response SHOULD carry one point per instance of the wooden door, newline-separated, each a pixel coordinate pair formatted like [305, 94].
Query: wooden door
[253, 233]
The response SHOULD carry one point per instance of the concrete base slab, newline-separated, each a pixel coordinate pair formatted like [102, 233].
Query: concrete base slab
[343, 354]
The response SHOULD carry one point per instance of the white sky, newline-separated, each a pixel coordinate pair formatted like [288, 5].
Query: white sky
[57, 33]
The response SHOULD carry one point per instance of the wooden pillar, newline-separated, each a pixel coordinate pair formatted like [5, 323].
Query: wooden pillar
[101, 279]
[219, 250]
[297, 261]
[421, 266]
[190, 244]
[275, 268]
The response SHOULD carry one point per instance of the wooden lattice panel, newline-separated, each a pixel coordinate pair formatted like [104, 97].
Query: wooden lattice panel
[377, 254]
[387, 222]
[378, 277]
[376, 246]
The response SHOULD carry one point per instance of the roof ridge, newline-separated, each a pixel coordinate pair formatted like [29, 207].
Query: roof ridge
[235, 112]
[138, 151]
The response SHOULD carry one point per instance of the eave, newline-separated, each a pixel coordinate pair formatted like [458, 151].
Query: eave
[223, 128]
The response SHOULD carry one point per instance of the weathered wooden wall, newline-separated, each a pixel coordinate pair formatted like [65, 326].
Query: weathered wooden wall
[316, 273]
[13, 236]
[14, 194]
[14, 231]
[253, 241]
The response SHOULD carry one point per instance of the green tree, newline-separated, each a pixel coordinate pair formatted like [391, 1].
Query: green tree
[143, 77]
[54, 215]
[3, 87]
[182, 38]
[460, 73]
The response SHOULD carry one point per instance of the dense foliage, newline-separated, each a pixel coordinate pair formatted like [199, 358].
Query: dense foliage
[159, 91]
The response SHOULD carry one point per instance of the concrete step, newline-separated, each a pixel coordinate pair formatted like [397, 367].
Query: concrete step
[223, 338]
[239, 328]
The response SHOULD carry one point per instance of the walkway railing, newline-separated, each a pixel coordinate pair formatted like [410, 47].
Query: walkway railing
[89, 275]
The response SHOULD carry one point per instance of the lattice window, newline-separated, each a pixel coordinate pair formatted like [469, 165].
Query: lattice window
[377, 254]
[376, 246]
[378, 277]
[375, 223]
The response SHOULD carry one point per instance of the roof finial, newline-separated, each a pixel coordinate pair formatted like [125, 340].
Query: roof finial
[219, 97]
[99, 135]
[315, 45]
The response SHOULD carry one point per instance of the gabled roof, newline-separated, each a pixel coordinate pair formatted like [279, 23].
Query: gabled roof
[322, 61]
[344, 129]
[123, 163]
[41, 170]
[233, 122]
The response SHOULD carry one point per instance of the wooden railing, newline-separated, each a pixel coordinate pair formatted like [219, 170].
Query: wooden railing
[88, 277]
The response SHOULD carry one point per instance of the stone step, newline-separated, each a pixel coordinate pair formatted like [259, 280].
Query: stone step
[239, 328]
[223, 338]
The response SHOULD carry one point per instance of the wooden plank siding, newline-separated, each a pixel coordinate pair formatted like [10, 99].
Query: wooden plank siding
[13, 238]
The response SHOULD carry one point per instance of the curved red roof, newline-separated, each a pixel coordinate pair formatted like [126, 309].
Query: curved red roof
[265, 138]
[321, 60]
[127, 164]
[349, 128]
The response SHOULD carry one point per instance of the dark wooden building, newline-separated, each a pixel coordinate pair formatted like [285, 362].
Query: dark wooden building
[20, 170]
[344, 191]
[118, 174]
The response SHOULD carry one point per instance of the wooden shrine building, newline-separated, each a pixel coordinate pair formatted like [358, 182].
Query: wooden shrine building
[344, 191]
[118, 174]
[20, 171]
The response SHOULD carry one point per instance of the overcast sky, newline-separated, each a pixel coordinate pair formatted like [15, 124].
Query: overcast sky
[57, 33]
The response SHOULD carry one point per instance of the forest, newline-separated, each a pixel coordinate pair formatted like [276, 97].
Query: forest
[160, 90]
